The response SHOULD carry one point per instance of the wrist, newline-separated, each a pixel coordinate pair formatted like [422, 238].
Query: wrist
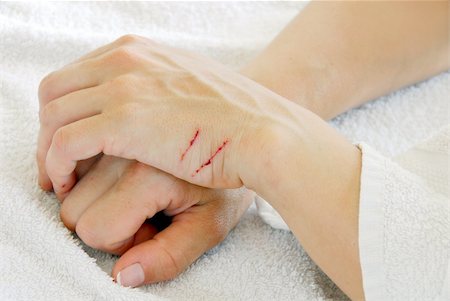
[268, 138]
[311, 87]
[281, 84]
[289, 159]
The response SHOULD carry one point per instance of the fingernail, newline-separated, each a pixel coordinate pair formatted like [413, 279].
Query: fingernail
[131, 276]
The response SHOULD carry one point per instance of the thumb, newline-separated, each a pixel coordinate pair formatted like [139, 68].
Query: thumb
[171, 251]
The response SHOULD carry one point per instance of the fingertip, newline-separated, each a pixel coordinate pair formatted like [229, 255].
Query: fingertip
[143, 236]
[145, 233]
[131, 276]
[43, 179]
[45, 184]
[157, 264]
[63, 188]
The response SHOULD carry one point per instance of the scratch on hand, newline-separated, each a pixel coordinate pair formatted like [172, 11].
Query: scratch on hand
[190, 144]
[211, 158]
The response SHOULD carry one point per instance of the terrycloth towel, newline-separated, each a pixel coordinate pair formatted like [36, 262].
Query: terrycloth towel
[41, 260]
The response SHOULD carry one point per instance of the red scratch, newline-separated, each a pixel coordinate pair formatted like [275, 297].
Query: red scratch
[211, 158]
[190, 145]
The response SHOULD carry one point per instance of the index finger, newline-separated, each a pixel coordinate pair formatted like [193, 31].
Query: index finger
[77, 141]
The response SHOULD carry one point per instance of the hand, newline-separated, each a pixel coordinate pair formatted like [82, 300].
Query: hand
[195, 119]
[109, 206]
[137, 99]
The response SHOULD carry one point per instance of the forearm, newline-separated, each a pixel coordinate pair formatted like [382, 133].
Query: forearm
[310, 174]
[337, 55]
[332, 57]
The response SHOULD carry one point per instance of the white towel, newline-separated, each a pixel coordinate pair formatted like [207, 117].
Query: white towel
[40, 259]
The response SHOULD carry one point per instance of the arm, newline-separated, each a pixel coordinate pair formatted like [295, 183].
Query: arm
[273, 141]
[332, 57]
[337, 55]
[235, 131]
[311, 175]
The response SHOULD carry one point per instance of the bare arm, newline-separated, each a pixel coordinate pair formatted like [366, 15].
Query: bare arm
[334, 56]
[337, 55]
[273, 140]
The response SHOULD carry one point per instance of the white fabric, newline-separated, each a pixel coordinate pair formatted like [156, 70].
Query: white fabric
[41, 260]
[404, 222]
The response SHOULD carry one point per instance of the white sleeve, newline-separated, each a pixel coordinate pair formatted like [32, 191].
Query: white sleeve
[403, 223]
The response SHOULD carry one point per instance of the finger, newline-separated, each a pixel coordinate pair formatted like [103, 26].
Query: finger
[171, 251]
[88, 73]
[71, 78]
[84, 166]
[43, 179]
[80, 140]
[64, 110]
[89, 70]
[103, 175]
[141, 192]
[55, 85]
[123, 40]
[80, 74]
[81, 170]
[146, 231]
[95, 53]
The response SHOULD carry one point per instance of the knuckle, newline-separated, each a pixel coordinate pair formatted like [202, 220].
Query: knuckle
[44, 91]
[61, 138]
[85, 231]
[124, 117]
[175, 264]
[128, 39]
[49, 112]
[107, 160]
[67, 218]
[133, 172]
[90, 232]
[41, 154]
[177, 190]
[125, 56]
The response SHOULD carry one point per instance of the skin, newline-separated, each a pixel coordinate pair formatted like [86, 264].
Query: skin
[106, 180]
[163, 254]
[336, 55]
[352, 55]
[127, 106]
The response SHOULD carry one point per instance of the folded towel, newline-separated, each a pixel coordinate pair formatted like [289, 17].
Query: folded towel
[41, 260]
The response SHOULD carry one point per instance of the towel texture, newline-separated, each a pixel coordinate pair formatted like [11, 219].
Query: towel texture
[41, 260]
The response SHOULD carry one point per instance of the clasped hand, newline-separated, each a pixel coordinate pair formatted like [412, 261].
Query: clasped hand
[144, 128]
